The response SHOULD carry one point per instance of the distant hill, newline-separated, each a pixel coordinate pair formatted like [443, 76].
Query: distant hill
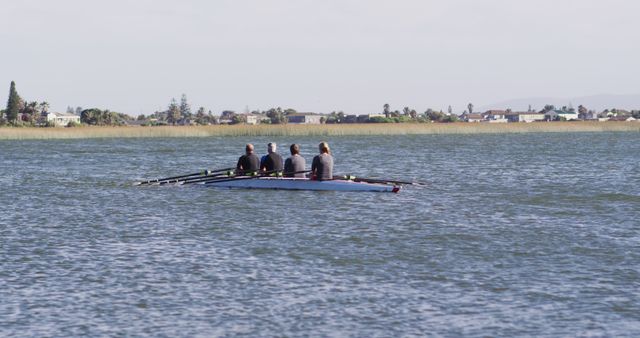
[596, 102]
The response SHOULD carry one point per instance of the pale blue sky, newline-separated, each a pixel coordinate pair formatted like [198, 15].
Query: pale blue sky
[351, 55]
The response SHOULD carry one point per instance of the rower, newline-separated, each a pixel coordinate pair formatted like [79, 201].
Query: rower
[272, 161]
[295, 163]
[248, 163]
[322, 165]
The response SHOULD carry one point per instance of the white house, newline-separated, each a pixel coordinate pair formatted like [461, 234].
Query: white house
[553, 115]
[252, 118]
[623, 118]
[62, 119]
[524, 117]
[474, 117]
[495, 116]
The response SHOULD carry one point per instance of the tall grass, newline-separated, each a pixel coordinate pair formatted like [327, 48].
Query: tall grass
[313, 130]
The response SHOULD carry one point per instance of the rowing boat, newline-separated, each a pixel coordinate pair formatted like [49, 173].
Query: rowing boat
[285, 183]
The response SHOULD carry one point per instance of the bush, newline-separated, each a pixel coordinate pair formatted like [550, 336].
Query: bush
[450, 118]
[379, 119]
[72, 124]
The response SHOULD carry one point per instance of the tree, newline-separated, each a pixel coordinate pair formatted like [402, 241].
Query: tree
[449, 118]
[406, 110]
[582, 112]
[470, 107]
[386, 110]
[413, 113]
[450, 110]
[202, 118]
[91, 116]
[185, 107]
[434, 115]
[238, 119]
[276, 115]
[13, 104]
[173, 112]
[29, 112]
[99, 117]
[548, 108]
[43, 107]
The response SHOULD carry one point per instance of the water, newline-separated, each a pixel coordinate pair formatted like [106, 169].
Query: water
[515, 235]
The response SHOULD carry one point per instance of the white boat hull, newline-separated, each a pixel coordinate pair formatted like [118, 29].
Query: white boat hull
[281, 183]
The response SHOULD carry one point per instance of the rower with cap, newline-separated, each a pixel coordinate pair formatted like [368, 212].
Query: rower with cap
[272, 161]
[322, 165]
[295, 164]
[248, 163]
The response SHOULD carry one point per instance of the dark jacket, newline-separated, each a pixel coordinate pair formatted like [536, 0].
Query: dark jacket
[273, 162]
[248, 163]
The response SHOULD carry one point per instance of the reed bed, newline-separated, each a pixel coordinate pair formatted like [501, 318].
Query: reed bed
[86, 132]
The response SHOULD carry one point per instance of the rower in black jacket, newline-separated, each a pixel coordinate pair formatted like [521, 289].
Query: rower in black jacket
[249, 162]
[272, 161]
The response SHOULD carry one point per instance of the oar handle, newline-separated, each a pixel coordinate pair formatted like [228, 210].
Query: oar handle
[279, 173]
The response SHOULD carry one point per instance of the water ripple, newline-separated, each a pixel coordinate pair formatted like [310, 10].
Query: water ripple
[513, 235]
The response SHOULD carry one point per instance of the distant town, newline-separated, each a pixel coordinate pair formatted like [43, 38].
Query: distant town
[22, 113]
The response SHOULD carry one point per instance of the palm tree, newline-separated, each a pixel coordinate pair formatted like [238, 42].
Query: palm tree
[387, 110]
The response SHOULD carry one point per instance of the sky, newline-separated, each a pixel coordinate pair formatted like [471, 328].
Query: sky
[320, 56]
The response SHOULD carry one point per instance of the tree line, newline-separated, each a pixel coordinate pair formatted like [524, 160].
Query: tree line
[20, 112]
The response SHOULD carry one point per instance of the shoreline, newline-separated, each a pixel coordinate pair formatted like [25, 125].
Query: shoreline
[90, 132]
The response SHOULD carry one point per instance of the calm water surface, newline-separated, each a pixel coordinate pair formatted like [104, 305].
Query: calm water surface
[515, 235]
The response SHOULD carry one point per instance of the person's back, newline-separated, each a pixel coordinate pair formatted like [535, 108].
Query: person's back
[295, 164]
[322, 165]
[249, 162]
[273, 162]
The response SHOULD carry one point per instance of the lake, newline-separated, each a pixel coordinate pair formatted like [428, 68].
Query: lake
[514, 235]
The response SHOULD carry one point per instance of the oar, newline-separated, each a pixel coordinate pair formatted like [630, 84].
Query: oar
[259, 175]
[181, 177]
[375, 180]
[197, 178]
[193, 180]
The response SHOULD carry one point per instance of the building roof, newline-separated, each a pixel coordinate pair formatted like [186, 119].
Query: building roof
[524, 113]
[475, 116]
[304, 114]
[494, 112]
[64, 114]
